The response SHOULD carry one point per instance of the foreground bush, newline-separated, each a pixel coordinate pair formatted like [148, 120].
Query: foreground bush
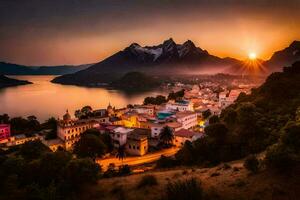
[166, 162]
[188, 189]
[148, 180]
[251, 163]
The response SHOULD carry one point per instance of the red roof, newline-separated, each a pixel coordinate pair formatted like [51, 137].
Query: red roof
[185, 133]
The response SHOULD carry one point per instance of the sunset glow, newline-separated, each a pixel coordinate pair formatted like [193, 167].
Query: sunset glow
[252, 56]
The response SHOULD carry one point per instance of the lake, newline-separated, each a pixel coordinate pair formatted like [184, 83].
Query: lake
[45, 99]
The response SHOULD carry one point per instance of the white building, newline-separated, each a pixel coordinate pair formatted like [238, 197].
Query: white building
[119, 135]
[180, 106]
[144, 109]
[188, 119]
[157, 127]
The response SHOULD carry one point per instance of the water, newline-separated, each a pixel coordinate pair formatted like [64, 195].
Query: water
[45, 99]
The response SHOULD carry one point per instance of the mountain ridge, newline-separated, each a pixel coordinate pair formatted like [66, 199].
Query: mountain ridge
[7, 68]
[164, 58]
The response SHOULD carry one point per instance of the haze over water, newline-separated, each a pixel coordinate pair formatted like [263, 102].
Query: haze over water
[45, 99]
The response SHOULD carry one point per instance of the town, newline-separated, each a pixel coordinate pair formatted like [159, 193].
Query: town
[159, 126]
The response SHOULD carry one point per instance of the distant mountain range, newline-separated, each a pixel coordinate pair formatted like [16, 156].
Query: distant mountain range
[167, 58]
[15, 69]
[8, 82]
[162, 59]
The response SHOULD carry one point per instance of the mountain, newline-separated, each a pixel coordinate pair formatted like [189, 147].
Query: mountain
[15, 69]
[8, 82]
[284, 57]
[166, 58]
[132, 81]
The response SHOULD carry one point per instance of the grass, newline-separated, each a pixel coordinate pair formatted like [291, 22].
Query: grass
[184, 189]
[147, 180]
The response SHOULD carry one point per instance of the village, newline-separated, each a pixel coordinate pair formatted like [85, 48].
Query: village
[139, 128]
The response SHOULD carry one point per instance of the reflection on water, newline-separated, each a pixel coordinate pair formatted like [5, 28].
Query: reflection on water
[44, 99]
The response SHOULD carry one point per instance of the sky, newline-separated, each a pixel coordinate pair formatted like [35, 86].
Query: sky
[55, 32]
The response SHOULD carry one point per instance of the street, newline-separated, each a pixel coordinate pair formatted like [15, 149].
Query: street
[137, 160]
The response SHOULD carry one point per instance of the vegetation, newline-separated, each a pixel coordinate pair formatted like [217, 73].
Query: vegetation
[84, 113]
[158, 100]
[166, 136]
[147, 180]
[252, 163]
[92, 144]
[121, 153]
[176, 95]
[135, 81]
[188, 189]
[34, 172]
[268, 116]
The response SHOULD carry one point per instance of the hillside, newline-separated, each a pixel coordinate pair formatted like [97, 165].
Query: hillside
[163, 59]
[135, 81]
[227, 183]
[15, 69]
[284, 57]
[8, 82]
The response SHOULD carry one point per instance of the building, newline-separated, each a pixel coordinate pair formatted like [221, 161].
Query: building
[188, 119]
[184, 135]
[54, 144]
[144, 109]
[119, 135]
[180, 106]
[4, 132]
[20, 139]
[156, 127]
[137, 142]
[69, 130]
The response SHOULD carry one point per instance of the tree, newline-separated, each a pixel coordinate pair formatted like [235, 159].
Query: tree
[81, 171]
[89, 145]
[121, 154]
[251, 163]
[33, 149]
[217, 131]
[206, 114]
[166, 136]
[214, 119]
[50, 124]
[4, 119]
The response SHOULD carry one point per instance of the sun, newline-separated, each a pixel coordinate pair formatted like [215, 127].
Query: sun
[252, 56]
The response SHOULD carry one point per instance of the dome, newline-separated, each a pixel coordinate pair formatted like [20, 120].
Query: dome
[67, 116]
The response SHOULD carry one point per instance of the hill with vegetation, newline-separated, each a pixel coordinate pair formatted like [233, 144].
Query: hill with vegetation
[8, 82]
[136, 81]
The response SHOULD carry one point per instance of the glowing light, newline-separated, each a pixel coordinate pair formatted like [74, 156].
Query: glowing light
[252, 56]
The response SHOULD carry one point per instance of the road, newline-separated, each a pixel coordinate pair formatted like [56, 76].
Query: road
[137, 160]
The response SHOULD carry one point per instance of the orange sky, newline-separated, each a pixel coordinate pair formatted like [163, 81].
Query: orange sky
[51, 34]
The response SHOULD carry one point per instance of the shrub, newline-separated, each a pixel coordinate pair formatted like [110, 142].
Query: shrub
[251, 163]
[124, 170]
[280, 158]
[188, 189]
[165, 162]
[148, 180]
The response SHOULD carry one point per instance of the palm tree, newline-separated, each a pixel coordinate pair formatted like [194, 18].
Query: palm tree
[166, 135]
[121, 153]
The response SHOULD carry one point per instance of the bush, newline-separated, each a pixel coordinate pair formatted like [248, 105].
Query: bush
[280, 158]
[148, 180]
[251, 163]
[188, 189]
[124, 170]
[165, 162]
